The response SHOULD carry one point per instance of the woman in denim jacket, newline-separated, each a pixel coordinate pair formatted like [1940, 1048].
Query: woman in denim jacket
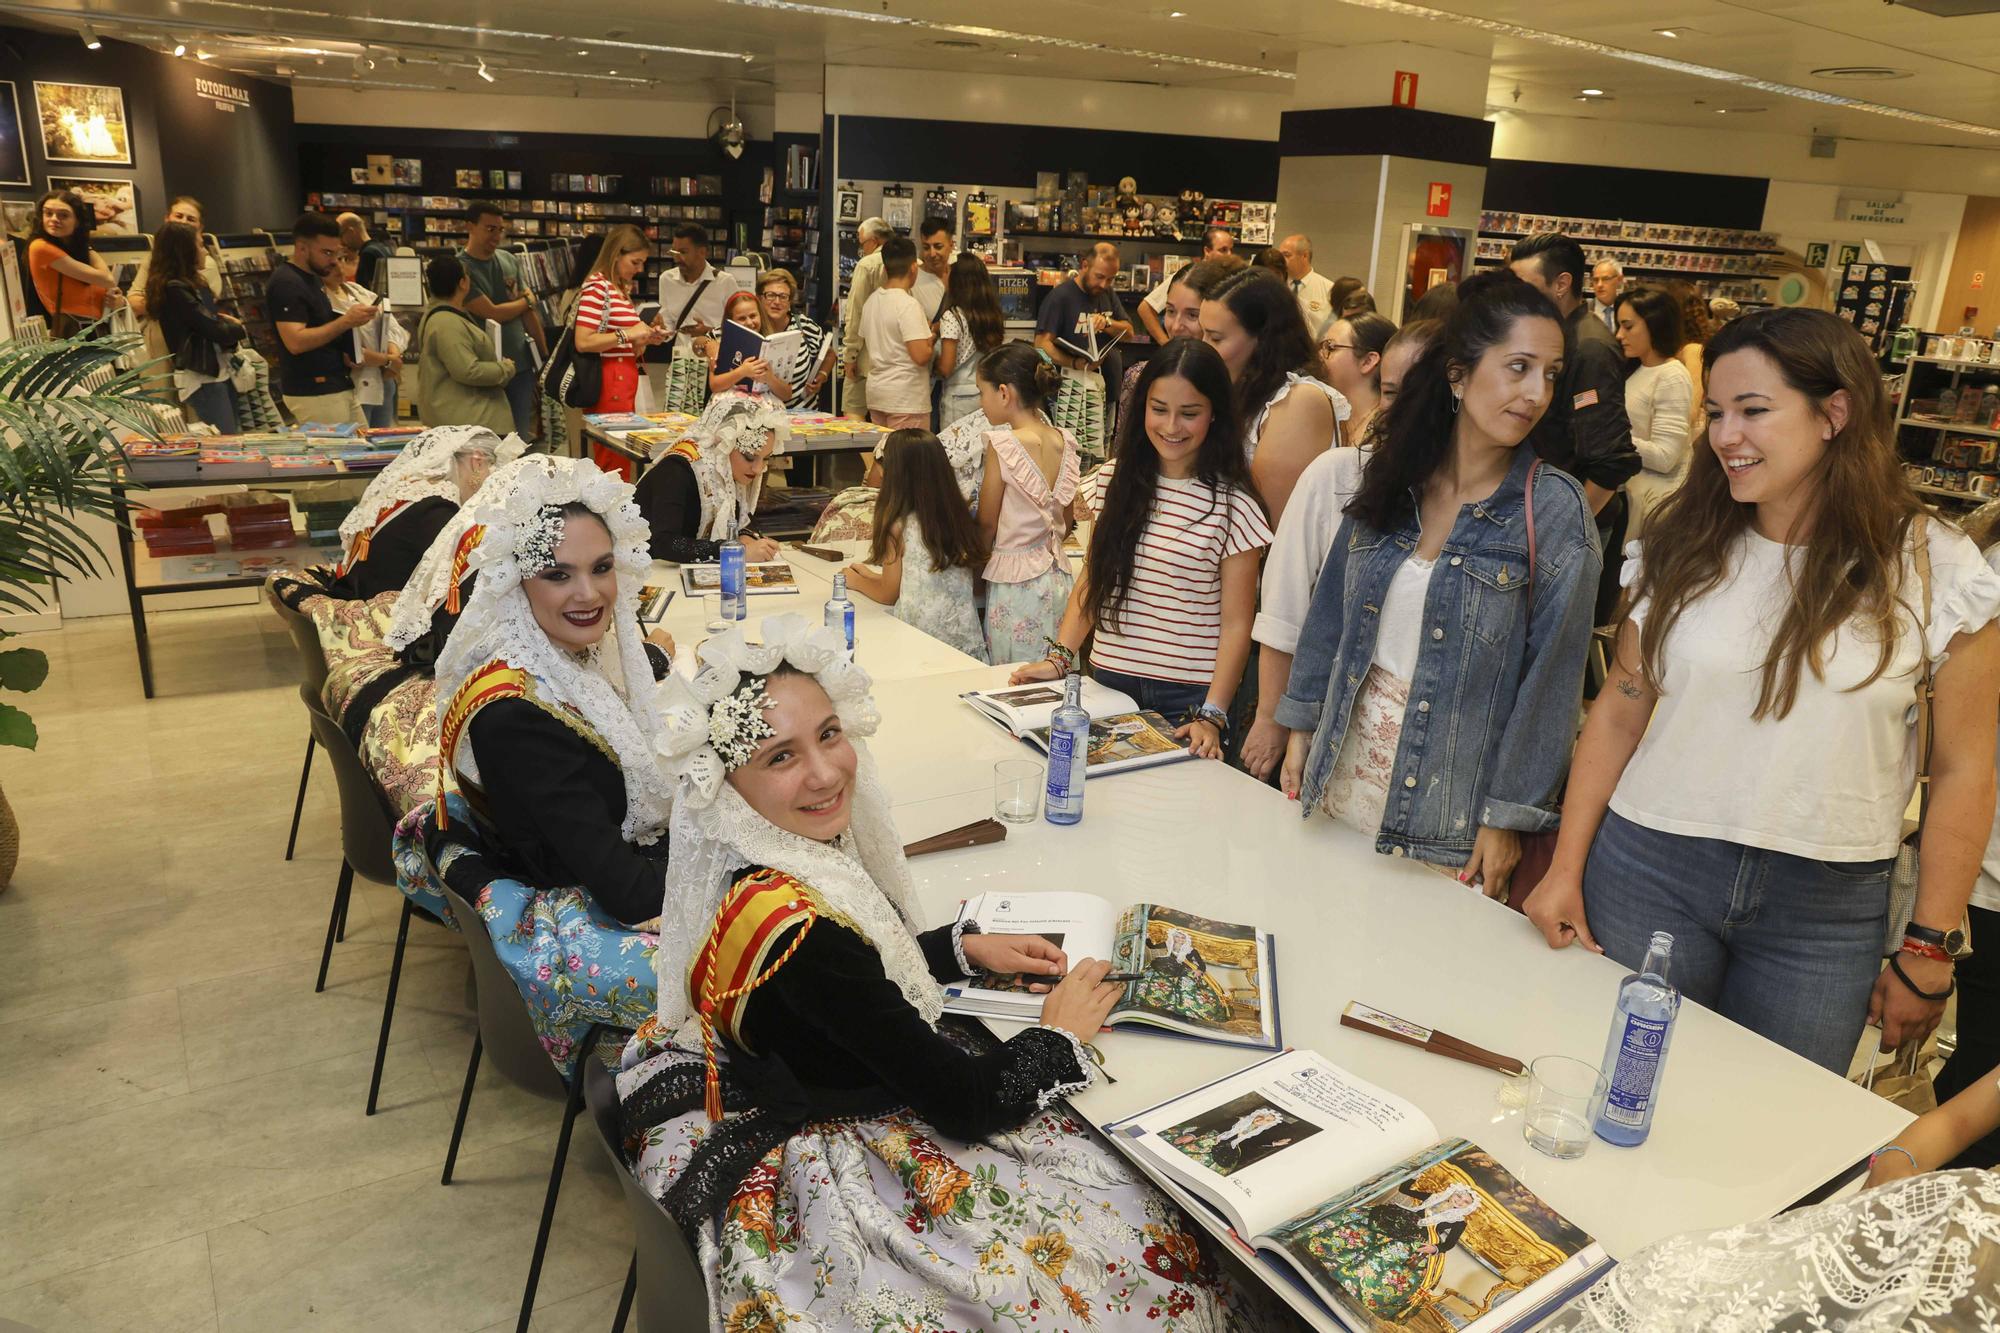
[1433, 697]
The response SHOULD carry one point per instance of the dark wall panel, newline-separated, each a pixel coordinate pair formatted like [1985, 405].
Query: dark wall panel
[890, 148]
[241, 163]
[1568, 189]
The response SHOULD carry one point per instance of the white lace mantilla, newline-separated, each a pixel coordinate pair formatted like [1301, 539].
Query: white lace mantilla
[421, 470]
[860, 877]
[1919, 1254]
[610, 686]
[733, 423]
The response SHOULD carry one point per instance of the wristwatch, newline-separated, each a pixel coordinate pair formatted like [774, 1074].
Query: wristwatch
[1953, 941]
[1215, 716]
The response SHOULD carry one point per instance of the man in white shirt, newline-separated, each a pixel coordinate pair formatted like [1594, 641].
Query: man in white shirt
[898, 341]
[934, 258]
[1313, 292]
[694, 286]
[866, 278]
[1215, 242]
[1606, 281]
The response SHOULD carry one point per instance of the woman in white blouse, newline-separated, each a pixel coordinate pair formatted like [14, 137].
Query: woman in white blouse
[1658, 398]
[1742, 781]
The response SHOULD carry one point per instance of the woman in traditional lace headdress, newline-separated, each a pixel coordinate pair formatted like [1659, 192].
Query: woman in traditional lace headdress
[1177, 981]
[840, 1155]
[702, 490]
[410, 501]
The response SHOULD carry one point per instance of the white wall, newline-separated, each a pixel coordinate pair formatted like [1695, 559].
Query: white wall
[510, 113]
[857, 90]
[1802, 212]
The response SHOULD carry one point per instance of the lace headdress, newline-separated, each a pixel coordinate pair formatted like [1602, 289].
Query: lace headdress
[733, 423]
[444, 564]
[713, 724]
[610, 686]
[423, 469]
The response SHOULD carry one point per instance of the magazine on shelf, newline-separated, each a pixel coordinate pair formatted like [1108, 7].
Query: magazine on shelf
[1350, 1187]
[1200, 978]
[1122, 735]
[759, 577]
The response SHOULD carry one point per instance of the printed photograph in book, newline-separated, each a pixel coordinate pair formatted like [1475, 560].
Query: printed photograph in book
[1197, 970]
[1434, 1243]
[1029, 695]
[1239, 1133]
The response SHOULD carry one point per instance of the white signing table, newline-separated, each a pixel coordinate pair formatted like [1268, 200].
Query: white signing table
[1744, 1130]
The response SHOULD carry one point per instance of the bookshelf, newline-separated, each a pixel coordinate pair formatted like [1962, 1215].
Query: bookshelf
[1718, 261]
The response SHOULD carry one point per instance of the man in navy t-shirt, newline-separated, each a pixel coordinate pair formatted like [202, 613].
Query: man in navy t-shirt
[1085, 301]
[314, 378]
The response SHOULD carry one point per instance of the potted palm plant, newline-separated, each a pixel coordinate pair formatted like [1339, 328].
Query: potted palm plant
[64, 404]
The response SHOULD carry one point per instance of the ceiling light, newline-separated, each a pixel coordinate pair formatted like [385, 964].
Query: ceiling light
[1665, 32]
[180, 48]
[1592, 92]
[1568, 43]
[1176, 14]
[1001, 34]
[1861, 72]
[91, 41]
[954, 44]
[485, 73]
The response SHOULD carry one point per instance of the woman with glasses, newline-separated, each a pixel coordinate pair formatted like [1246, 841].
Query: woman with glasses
[1352, 351]
[777, 302]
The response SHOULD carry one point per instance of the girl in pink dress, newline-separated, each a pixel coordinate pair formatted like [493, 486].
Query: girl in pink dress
[1024, 508]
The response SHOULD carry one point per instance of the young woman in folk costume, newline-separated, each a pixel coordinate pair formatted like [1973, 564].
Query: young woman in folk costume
[545, 718]
[410, 501]
[841, 1157]
[702, 490]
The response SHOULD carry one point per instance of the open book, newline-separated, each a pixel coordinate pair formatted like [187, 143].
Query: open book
[740, 344]
[767, 576]
[1212, 980]
[1349, 1185]
[654, 599]
[1093, 346]
[1122, 735]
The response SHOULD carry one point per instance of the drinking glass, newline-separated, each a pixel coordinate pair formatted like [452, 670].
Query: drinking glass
[711, 611]
[1565, 1096]
[1017, 790]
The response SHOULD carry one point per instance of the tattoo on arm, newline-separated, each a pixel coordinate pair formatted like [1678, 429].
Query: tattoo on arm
[1627, 688]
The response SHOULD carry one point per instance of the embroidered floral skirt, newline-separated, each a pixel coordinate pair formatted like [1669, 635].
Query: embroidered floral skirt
[399, 746]
[1357, 791]
[1022, 617]
[884, 1224]
[575, 966]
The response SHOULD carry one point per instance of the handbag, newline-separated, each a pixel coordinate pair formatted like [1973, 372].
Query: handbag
[687, 376]
[573, 377]
[1903, 878]
[62, 324]
[1538, 850]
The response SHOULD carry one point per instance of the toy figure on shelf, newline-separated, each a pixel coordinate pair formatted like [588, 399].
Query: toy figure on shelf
[1128, 194]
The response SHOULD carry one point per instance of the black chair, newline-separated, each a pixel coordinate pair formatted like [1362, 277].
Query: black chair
[671, 1290]
[506, 1034]
[312, 688]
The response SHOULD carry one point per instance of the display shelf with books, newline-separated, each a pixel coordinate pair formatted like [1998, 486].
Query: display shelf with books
[1717, 261]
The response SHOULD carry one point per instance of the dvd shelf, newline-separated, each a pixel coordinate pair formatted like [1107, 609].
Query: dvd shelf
[1718, 261]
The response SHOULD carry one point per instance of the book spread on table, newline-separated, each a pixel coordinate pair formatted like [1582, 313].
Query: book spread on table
[769, 576]
[1093, 347]
[1212, 980]
[1350, 1186]
[654, 599]
[1123, 736]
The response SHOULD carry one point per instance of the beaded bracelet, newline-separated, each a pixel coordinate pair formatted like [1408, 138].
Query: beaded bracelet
[1062, 655]
[1893, 1147]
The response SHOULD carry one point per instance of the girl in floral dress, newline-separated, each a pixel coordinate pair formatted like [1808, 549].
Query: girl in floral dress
[924, 545]
[841, 1156]
[1030, 478]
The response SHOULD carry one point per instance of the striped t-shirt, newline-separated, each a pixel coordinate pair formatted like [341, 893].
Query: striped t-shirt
[602, 308]
[1168, 622]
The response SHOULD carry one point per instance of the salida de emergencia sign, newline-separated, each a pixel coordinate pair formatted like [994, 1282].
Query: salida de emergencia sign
[1867, 208]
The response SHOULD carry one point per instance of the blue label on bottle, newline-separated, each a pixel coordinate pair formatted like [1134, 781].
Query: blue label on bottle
[1062, 759]
[1636, 1072]
[847, 624]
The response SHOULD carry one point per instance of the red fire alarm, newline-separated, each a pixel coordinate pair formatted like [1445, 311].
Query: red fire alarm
[1438, 204]
[1405, 93]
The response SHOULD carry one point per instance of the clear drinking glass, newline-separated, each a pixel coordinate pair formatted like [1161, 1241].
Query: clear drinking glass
[711, 611]
[1017, 790]
[1565, 1097]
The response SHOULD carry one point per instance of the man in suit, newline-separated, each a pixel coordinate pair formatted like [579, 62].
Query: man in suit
[1313, 291]
[1606, 281]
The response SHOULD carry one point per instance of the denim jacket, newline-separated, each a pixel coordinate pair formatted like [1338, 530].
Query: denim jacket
[1491, 721]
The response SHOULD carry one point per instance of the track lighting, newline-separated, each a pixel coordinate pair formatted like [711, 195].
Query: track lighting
[91, 41]
[180, 47]
[484, 73]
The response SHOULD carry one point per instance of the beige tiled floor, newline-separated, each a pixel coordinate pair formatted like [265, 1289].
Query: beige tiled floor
[182, 1144]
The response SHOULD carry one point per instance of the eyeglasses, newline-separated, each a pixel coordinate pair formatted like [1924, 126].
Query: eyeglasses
[1328, 349]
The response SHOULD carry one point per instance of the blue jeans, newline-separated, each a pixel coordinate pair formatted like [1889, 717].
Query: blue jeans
[1172, 699]
[1786, 946]
[521, 400]
[382, 414]
[216, 404]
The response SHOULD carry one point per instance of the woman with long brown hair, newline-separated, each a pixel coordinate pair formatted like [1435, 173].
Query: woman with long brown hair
[196, 335]
[925, 545]
[608, 326]
[1742, 781]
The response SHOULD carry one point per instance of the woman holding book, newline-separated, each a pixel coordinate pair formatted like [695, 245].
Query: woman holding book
[777, 301]
[1256, 326]
[1436, 680]
[924, 546]
[755, 374]
[1170, 585]
[969, 326]
[1793, 604]
[701, 491]
[926, 1167]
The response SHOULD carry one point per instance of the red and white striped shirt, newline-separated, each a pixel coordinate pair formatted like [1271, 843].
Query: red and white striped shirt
[602, 308]
[1168, 622]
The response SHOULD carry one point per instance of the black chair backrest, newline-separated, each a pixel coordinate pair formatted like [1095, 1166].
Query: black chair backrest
[672, 1293]
[367, 828]
[504, 1028]
[305, 637]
